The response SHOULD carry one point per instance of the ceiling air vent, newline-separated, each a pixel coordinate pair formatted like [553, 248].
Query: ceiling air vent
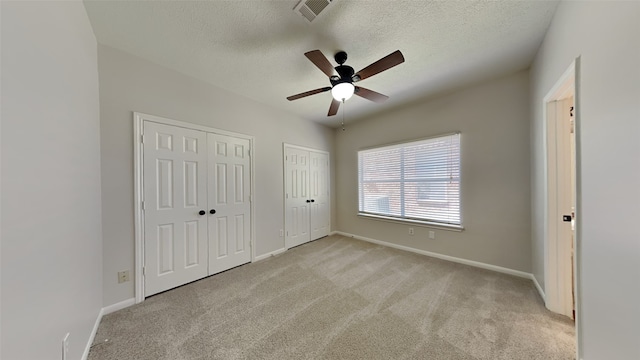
[310, 9]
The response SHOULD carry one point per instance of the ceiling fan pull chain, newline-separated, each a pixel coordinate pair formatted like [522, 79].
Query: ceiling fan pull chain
[343, 108]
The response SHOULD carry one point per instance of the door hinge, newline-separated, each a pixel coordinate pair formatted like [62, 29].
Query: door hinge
[144, 271]
[286, 196]
[143, 207]
[249, 152]
[142, 139]
[572, 125]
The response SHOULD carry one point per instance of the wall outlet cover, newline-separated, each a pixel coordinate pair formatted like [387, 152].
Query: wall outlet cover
[123, 276]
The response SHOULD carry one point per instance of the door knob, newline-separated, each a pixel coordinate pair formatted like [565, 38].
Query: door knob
[308, 201]
[212, 211]
[202, 212]
[313, 200]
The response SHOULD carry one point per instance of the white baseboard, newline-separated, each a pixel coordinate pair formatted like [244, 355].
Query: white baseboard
[104, 311]
[92, 336]
[280, 251]
[477, 264]
[540, 291]
[267, 255]
[118, 306]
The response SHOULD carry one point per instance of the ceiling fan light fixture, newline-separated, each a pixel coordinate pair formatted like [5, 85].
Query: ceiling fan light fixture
[342, 91]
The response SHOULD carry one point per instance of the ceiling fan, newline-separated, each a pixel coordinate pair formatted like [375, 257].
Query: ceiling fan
[342, 87]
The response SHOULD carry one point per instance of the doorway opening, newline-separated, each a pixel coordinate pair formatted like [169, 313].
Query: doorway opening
[561, 122]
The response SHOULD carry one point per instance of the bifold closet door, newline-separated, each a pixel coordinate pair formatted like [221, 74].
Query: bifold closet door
[297, 201]
[175, 197]
[229, 201]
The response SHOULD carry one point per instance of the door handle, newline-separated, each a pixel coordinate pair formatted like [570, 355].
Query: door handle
[313, 200]
[566, 218]
[212, 211]
[308, 201]
[202, 212]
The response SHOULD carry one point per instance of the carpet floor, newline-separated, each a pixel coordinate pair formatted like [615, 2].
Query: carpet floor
[340, 298]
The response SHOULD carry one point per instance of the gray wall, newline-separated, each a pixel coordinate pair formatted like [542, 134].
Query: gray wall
[51, 236]
[494, 121]
[128, 84]
[605, 35]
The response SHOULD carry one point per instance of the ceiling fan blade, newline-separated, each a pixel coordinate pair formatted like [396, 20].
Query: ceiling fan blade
[333, 109]
[387, 62]
[370, 94]
[311, 92]
[319, 60]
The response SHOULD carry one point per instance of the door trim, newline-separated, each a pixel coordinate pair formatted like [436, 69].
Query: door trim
[138, 188]
[553, 271]
[285, 146]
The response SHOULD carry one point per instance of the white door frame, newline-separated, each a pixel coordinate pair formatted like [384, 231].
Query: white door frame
[554, 272]
[284, 183]
[138, 123]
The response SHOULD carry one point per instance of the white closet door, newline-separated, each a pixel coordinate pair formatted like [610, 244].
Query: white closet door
[175, 242]
[319, 194]
[297, 199]
[229, 195]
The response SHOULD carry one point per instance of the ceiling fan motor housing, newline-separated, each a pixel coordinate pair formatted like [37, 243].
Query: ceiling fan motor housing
[345, 72]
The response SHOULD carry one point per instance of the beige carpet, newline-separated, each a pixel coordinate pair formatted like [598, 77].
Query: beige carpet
[339, 298]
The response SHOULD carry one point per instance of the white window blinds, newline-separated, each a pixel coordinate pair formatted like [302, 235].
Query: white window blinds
[418, 180]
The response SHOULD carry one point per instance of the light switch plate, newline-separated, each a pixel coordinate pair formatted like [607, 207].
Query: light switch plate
[123, 276]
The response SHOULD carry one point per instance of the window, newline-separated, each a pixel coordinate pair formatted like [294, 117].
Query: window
[417, 181]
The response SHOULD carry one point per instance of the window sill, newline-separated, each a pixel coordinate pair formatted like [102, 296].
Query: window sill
[413, 222]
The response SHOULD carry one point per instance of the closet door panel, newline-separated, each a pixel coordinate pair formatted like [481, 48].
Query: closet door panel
[175, 177]
[297, 201]
[229, 197]
[319, 219]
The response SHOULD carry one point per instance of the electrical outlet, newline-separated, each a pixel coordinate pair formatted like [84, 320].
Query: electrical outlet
[281, 233]
[65, 346]
[123, 276]
[432, 234]
[411, 231]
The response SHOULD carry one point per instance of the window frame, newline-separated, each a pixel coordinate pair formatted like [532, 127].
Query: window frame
[404, 219]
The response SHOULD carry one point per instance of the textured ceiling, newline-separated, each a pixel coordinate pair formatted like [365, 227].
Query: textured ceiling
[255, 48]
